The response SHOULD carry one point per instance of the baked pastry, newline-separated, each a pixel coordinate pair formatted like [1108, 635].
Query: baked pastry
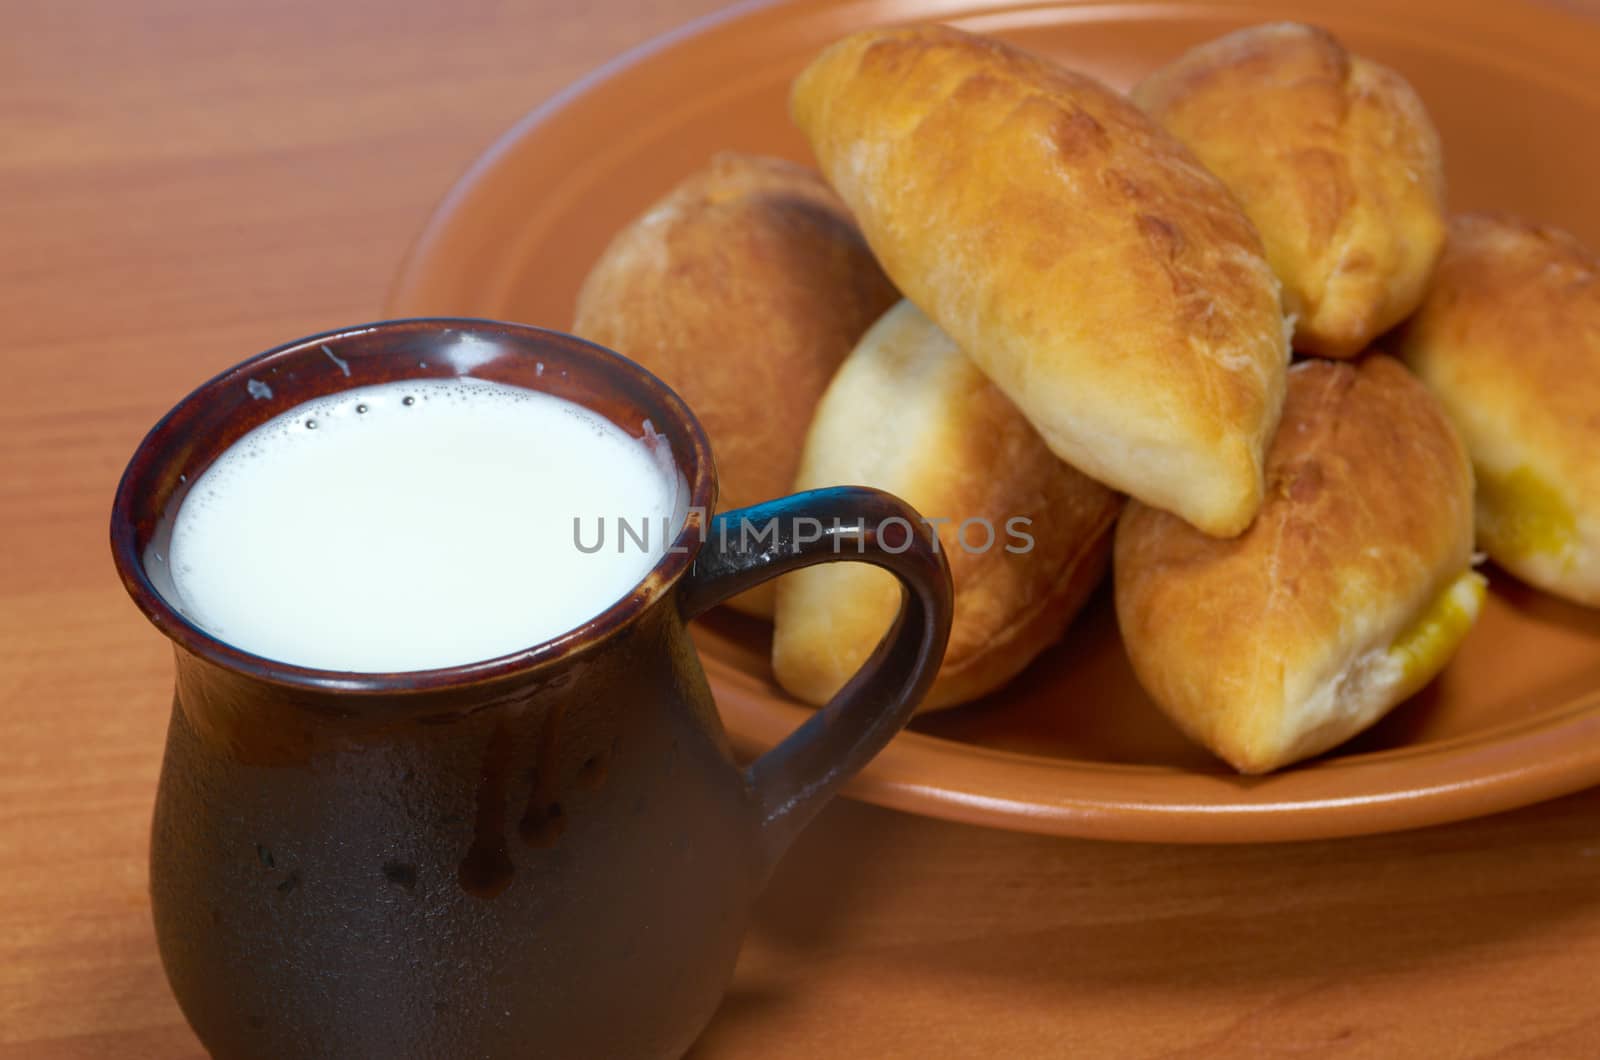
[1351, 589]
[743, 289]
[1079, 254]
[1509, 340]
[1335, 160]
[1027, 537]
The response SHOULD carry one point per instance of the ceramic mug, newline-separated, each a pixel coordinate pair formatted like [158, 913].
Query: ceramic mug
[551, 853]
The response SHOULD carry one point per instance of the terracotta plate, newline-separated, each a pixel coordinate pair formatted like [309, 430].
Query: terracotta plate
[1073, 746]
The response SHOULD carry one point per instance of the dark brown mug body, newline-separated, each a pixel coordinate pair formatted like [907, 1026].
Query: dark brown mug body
[548, 854]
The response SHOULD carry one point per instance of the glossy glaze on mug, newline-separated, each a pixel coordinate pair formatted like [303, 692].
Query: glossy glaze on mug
[391, 895]
[551, 853]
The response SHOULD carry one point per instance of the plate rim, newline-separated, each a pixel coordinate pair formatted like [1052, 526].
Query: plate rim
[1307, 803]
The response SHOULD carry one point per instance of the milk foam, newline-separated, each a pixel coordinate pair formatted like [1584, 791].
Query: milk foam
[416, 525]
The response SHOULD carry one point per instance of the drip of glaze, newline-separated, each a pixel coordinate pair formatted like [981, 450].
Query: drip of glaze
[486, 871]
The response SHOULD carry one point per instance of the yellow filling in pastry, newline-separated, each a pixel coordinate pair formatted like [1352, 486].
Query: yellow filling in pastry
[1521, 514]
[1424, 648]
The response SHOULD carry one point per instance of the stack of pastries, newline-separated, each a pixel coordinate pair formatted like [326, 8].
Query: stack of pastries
[1028, 303]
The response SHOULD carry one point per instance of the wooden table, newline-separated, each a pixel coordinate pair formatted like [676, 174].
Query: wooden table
[185, 182]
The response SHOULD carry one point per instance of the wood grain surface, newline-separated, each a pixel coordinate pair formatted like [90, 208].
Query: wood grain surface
[186, 182]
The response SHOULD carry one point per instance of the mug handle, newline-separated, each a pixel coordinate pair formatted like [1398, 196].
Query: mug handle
[793, 780]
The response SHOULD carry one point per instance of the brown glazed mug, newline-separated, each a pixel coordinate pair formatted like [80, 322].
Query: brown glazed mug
[548, 854]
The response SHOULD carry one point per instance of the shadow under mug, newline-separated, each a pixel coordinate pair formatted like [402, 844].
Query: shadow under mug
[551, 853]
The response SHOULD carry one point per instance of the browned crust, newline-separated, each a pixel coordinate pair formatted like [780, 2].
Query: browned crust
[1334, 159]
[1079, 254]
[1368, 517]
[1509, 339]
[1020, 640]
[1513, 318]
[743, 288]
[1009, 607]
[909, 413]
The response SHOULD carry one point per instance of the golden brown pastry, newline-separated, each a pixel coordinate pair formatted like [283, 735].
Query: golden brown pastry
[1334, 159]
[743, 289]
[1027, 536]
[1092, 268]
[1509, 340]
[1347, 594]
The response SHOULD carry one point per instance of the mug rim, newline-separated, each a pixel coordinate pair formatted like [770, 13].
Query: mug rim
[155, 456]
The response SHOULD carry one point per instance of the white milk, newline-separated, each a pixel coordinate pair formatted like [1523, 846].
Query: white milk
[417, 525]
